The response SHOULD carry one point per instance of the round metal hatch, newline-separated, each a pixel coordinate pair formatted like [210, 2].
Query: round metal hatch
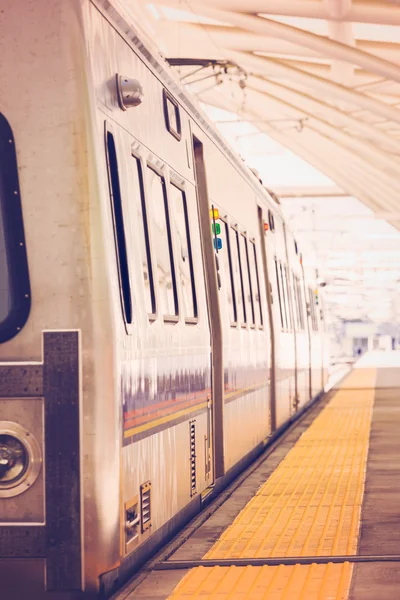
[20, 459]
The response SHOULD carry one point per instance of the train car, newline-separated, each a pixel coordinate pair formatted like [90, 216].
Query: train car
[283, 355]
[149, 342]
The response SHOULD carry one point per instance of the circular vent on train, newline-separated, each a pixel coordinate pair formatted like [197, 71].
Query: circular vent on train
[20, 459]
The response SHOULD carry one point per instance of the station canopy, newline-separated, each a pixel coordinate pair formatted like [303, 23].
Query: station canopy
[308, 92]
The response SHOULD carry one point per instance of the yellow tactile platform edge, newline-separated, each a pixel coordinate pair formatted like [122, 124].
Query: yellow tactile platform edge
[310, 506]
[298, 582]
[358, 379]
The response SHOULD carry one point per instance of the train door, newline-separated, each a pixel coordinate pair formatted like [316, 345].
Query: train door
[300, 322]
[211, 264]
[290, 262]
[269, 296]
[324, 343]
[322, 337]
[304, 291]
[315, 338]
[283, 358]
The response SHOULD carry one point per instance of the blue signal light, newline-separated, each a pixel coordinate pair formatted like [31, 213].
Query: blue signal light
[217, 243]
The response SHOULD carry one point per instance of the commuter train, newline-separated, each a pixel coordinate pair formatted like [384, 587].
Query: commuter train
[156, 325]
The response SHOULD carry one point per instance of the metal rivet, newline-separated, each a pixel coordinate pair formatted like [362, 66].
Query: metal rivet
[21, 243]
[15, 193]
[10, 141]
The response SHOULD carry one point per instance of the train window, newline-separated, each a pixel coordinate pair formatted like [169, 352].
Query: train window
[314, 322]
[145, 253]
[184, 249]
[255, 279]
[288, 298]
[301, 304]
[228, 270]
[14, 276]
[248, 292]
[296, 302]
[315, 312]
[119, 229]
[172, 116]
[271, 221]
[311, 300]
[5, 276]
[238, 277]
[279, 291]
[168, 300]
[285, 307]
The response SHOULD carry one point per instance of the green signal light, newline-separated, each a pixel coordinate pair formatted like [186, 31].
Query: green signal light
[216, 229]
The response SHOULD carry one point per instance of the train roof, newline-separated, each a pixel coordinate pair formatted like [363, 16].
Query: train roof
[151, 55]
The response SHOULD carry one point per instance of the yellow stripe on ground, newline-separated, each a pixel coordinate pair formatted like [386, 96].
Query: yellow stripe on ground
[358, 379]
[298, 582]
[310, 506]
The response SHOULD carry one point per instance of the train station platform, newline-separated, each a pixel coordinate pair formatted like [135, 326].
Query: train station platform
[317, 517]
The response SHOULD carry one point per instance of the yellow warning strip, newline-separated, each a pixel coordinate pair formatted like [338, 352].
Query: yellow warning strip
[298, 582]
[358, 379]
[310, 506]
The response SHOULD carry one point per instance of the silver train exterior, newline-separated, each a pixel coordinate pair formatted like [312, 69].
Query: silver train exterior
[156, 327]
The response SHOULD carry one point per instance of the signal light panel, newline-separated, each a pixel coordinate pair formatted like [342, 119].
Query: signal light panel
[216, 229]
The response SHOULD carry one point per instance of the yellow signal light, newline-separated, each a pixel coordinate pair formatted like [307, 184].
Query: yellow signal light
[214, 213]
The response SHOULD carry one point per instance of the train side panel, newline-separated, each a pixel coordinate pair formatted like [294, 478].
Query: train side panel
[164, 377]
